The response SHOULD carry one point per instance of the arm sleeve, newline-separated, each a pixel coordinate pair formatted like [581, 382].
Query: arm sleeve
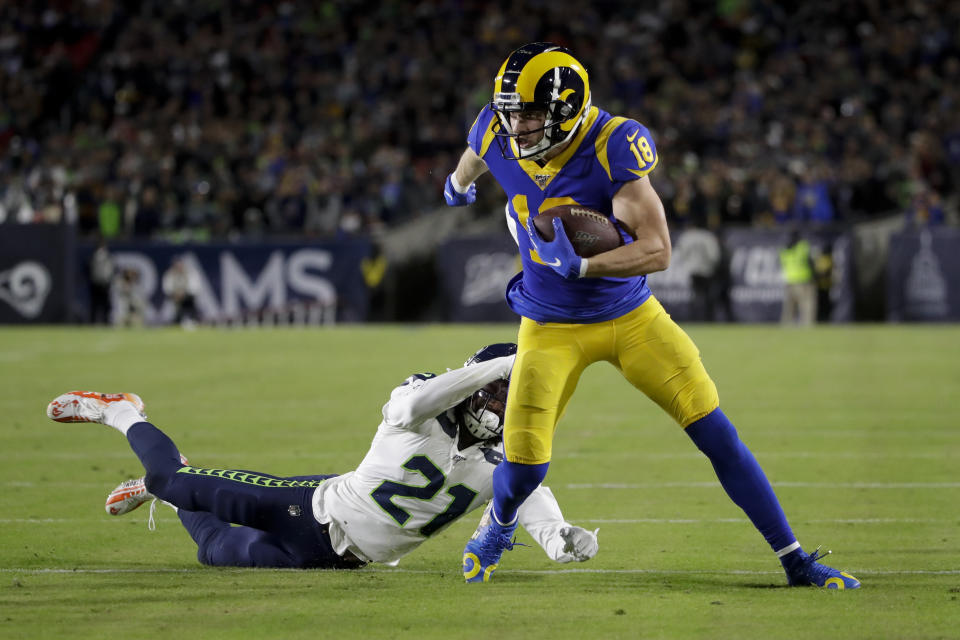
[540, 515]
[426, 396]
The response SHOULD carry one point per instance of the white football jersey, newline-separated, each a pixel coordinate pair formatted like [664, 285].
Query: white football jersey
[414, 480]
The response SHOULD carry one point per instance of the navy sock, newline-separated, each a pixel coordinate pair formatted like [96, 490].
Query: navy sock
[157, 453]
[742, 478]
[512, 483]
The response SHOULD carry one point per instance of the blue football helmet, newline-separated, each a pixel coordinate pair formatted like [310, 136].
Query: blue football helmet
[544, 77]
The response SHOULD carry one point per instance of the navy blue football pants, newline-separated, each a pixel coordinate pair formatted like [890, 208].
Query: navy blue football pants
[277, 528]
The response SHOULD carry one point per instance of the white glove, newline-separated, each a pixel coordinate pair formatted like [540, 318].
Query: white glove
[580, 543]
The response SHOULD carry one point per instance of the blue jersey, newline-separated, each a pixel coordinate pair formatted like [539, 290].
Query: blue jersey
[606, 153]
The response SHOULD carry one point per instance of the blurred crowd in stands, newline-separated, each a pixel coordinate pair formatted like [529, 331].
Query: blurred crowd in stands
[216, 119]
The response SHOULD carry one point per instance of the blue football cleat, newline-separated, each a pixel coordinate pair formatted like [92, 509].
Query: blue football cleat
[806, 571]
[482, 553]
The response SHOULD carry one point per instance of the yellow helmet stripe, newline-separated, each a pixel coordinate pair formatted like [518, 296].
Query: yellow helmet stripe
[498, 81]
[541, 63]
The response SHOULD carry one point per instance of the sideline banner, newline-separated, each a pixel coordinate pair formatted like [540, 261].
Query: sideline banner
[923, 276]
[756, 281]
[673, 287]
[36, 270]
[474, 273]
[239, 283]
[748, 286]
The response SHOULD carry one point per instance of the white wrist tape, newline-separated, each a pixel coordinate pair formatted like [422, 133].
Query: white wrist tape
[583, 267]
[456, 185]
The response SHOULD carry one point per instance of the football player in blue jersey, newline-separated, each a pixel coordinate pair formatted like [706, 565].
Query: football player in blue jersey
[546, 144]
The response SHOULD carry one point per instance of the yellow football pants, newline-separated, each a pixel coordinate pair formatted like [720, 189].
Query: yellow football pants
[651, 351]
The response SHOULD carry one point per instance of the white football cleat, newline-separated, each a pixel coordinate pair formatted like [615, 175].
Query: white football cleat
[127, 496]
[89, 406]
[131, 494]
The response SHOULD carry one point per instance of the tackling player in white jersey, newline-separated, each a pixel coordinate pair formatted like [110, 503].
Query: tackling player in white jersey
[431, 461]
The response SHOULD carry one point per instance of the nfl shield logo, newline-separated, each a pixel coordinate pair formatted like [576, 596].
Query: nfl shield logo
[541, 180]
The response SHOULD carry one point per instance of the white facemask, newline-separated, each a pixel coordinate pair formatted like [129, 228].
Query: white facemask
[485, 426]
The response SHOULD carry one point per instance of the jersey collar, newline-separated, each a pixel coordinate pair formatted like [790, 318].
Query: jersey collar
[543, 176]
[449, 426]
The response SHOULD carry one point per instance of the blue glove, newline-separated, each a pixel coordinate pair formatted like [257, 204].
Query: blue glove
[457, 199]
[558, 254]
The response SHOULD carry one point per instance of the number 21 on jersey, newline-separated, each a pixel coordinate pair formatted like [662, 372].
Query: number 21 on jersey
[462, 495]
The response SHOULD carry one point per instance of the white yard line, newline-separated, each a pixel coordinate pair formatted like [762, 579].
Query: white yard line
[380, 569]
[787, 484]
[120, 453]
[947, 521]
[611, 485]
[696, 455]
[127, 455]
[952, 521]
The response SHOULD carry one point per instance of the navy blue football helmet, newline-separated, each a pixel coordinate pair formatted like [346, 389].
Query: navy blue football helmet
[491, 351]
[540, 76]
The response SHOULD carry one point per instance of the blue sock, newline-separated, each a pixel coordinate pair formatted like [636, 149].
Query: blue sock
[158, 455]
[742, 478]
[512, 483]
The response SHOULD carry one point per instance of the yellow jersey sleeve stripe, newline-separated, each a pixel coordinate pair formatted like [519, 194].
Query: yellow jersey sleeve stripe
[604, 138]
[643, 172]
[487, 137]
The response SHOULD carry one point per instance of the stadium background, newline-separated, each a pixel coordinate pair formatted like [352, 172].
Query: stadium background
[295, 152]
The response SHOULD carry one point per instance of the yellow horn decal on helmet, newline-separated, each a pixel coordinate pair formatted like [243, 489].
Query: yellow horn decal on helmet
[572, 122]
[540, 64]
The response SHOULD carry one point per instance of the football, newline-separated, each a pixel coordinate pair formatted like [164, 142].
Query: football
[590, 232]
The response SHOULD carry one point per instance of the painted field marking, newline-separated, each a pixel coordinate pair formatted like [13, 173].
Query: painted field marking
[380, 569]
[128, 455]
[943, 454]
[746, 521]
[787, 484]
[696, 455]
[613, 485]
[948, 521]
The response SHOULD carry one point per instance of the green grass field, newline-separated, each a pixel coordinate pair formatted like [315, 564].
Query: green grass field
[856, 427]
